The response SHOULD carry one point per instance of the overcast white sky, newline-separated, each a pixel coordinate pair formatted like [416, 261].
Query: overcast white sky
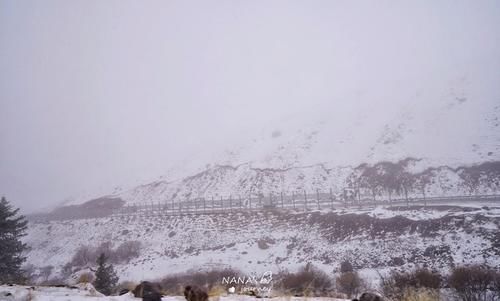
[95, 94]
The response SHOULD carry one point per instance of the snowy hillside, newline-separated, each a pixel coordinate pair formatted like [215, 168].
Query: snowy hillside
[256, 241]
[317, 149]
[380, 178]
[444, 126]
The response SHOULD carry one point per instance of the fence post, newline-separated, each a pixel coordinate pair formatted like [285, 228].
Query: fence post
[305, 200]
[317, 198]
[331, 196]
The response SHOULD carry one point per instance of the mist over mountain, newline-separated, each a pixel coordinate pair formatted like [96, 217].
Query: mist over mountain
[100, 98]
[459, 127]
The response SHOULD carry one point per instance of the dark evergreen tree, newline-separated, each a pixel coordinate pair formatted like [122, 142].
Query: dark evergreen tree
[12, 228]
[105, 276]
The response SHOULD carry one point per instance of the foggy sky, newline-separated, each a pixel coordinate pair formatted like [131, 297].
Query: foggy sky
[97, 94]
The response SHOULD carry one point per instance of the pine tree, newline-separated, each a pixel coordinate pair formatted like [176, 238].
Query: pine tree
[12, 228]
[105, 276]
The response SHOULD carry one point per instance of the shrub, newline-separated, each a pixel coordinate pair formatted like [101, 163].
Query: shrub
[46, 271]
[427, 279]
[349, 283]
[346, 266]
[105, 248]
[84, 256]
[496, 285]
[472, 283]
[67, 269]
[308, 281]
[29, 273]
[397, 284]
[86, 277]
[126, 251]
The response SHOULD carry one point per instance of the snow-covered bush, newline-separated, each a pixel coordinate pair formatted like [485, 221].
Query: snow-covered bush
[472, 283]
[346, 266]
[350, 283]
[308, 281]
[399, 284]
[86, 277]
[126, 251]
[86, 256]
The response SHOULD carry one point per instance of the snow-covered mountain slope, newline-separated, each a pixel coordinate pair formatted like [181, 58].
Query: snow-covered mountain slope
[454, 126]
[383, 179]
[256, 241]
[444, 127]
[320, 150]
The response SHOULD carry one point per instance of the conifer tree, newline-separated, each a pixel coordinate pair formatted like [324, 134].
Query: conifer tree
[105, 276]
[12, 228]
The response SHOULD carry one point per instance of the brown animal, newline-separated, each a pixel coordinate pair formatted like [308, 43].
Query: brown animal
[148, 291]
[369, 297]
[194, 293]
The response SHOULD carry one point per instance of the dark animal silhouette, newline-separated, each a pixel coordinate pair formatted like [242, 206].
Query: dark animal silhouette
[369, 297]
[148, 291]
[194, 293]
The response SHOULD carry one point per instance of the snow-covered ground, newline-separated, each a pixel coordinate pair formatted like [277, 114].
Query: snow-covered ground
[373, 239]
[88, 293]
